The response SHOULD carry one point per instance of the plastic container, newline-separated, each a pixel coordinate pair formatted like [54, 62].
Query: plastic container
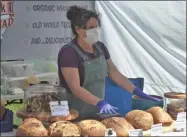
[175, 103]
[143, 104]
[21, 70]
[7, 67]
[38, 97]
[119, 97]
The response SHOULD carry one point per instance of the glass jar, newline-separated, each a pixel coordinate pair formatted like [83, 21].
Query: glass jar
[175, 103]
[38, 97]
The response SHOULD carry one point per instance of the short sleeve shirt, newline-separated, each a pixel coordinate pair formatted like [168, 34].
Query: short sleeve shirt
[67, 57]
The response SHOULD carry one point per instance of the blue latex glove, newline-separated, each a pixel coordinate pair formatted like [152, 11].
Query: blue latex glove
[141, 94]
[106, 108]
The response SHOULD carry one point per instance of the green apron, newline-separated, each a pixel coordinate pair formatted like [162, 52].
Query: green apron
[94, 81]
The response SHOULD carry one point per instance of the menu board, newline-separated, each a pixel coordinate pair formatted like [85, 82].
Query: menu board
[39, 30]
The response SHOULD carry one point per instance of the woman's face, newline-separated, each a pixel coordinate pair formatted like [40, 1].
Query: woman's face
[92, 23]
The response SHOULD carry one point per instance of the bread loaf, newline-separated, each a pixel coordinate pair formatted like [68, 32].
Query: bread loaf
[64, 128]
[160, 116]
[120, 125]
[92, 128]
[31, 130]
[140, 119]
[31, 120]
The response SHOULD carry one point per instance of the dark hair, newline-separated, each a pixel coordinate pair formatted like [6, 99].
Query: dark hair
[79, 17]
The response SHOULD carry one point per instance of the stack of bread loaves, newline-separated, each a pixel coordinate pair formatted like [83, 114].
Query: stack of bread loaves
[136, 119]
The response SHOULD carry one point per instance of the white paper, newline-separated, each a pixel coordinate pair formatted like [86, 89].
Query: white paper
[61, 109]
[136, 132]
[156, 130]
[180, 125]
[181, 116]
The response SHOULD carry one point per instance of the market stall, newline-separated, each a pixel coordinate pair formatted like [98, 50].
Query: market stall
[147, 43]
[41, 119]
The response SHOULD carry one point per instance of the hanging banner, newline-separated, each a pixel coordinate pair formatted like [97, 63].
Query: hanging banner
[7, 22]
[42, 26]
[6, 7]
[7, 15]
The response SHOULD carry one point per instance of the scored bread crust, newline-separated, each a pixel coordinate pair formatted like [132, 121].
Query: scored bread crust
[160, 116]
[31, 120]
[140, 119]
[64, 128]
[31, 129]
[120, 125]
[92, 128]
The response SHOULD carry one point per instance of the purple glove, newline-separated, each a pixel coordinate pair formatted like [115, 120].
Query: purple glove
[141, 94]
[106, 108]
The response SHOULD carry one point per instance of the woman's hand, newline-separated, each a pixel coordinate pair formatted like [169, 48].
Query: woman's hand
[106, 108]
[143, 95]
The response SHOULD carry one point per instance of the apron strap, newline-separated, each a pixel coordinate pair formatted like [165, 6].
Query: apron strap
[81, 55]
[98, 47]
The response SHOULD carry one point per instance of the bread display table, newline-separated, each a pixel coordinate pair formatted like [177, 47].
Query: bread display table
[46, 117]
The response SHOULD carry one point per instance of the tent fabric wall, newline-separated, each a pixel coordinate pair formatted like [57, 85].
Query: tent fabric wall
[147, 39]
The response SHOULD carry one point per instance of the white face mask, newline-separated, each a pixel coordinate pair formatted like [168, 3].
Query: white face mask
[92, 36]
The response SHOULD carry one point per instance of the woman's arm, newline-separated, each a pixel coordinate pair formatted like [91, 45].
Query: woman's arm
[71, 77]
[118, 78]
[125, 83]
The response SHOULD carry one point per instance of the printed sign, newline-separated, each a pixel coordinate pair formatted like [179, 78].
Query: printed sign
[42, 26]
[59, 108]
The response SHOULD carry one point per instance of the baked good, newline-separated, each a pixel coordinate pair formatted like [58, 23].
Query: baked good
[120, 125]
[31, 130]
[40, 103]
[160, 116]
[64, 128]
[140, 119]
[31, 120]
[92, 128]
[175, 107]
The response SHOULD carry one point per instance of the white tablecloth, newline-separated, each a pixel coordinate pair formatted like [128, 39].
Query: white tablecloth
[176, 134]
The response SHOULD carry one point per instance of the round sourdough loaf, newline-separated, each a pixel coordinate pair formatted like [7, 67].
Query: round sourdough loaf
[120, 125]
[31, 120]
[31, 130]
[160, 116]
[64, 129]
[92, 128]
[140, 119]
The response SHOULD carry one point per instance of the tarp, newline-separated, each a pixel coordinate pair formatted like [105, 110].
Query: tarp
[147, 39]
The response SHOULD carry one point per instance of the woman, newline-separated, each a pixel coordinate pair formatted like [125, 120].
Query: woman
[83, 66]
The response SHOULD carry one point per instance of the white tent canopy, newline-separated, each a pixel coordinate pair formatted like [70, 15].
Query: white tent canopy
[147, 39]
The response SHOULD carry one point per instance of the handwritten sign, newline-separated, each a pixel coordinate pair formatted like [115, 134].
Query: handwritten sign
[181, 121]
[181, 116]
[136, 133]
[156, 130]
